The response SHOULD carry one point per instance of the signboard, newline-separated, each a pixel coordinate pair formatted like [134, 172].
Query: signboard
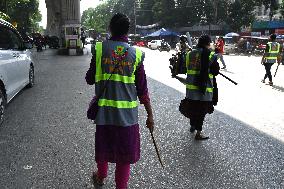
[257, 34]
[279, 31]
[73, 43]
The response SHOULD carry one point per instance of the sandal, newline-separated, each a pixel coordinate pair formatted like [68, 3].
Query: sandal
[97, 180]
[201, 137]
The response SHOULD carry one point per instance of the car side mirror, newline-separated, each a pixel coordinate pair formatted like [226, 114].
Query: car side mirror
[28, 45]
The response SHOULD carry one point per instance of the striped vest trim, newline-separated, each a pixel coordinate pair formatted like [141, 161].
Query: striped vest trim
[273, 52]
[193, 63]
[118, 105]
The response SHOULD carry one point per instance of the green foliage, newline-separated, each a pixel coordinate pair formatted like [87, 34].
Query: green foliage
[24, 12]
[282, 8]
[4, 16]
[240, 13]
[178, 13]
[97, 18]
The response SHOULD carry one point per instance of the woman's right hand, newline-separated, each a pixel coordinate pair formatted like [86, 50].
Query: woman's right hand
[150, 122]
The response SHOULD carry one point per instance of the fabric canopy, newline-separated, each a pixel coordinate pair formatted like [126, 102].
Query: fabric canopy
[232, 34]
[162, 32]
[268, 25]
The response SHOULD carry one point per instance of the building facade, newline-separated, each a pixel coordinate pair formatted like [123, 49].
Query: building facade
[263, 14]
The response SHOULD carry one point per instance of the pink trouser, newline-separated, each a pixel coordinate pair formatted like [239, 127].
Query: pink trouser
[122, 172]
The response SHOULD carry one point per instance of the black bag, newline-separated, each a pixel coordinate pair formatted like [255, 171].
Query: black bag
[93, 109]
[183, 107]
[94, 104]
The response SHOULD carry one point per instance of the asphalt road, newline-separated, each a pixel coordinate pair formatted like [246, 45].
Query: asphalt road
[46, 140]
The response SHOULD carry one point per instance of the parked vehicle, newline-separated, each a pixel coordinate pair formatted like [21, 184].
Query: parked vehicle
[141, 43]
[16, 65]
[230, 46]
[164, 46]
[89, 40]
[154, 44]
[261, 45]
[53, 42]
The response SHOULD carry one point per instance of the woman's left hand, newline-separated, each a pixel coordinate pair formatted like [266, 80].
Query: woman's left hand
[150, 123]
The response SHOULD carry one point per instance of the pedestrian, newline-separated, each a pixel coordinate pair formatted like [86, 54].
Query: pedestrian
[201, 86]
[219, 49]
[270, 56]
[248, 47]
[83, 37]
[118, 67]
[182, 46]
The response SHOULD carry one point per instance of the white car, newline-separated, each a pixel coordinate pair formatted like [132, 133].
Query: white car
[89, 40]
[154, 44]
[16, 65]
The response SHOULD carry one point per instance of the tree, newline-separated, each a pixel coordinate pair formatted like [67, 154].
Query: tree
[4, 16]
[144, 13]
[281, 7]
[269, 4]
[164, 12]
[97, 18]
[24, 12]
[240, 13]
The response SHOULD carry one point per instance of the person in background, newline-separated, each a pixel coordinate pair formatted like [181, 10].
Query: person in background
[83, 37]
[182, 46]
[219, 49]
[271, 55]
[248, 47]
[201, 86]
[119, 69]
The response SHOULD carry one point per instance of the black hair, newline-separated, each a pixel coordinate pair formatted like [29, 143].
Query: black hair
[119, 24]
[204, 41]
[222, 38]
[183, 38]
[273, 37]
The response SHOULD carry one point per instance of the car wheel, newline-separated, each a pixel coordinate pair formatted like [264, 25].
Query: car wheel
[2, 105]
[31, 77]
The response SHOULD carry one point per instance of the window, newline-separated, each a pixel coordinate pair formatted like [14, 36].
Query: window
[4, 38]
[16, 42]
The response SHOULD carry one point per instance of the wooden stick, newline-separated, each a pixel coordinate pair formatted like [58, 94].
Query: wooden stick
[156, 148]
[276, 70]
[228, 78]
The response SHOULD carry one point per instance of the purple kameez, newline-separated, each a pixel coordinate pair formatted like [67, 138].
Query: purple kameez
[119, 144]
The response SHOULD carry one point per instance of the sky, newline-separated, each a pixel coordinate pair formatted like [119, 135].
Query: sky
[85, 4]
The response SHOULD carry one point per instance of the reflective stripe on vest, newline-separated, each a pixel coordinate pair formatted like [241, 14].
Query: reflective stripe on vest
[115, 77]
[118, 104]
[192, 90]
[272, 53]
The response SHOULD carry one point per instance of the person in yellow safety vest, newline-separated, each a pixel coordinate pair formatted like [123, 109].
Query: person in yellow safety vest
[271, 56]
[118, 73]
[201, 86]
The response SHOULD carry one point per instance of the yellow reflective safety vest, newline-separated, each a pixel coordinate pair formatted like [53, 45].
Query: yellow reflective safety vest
[193, 65]
[273, 52]
[117, 61]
